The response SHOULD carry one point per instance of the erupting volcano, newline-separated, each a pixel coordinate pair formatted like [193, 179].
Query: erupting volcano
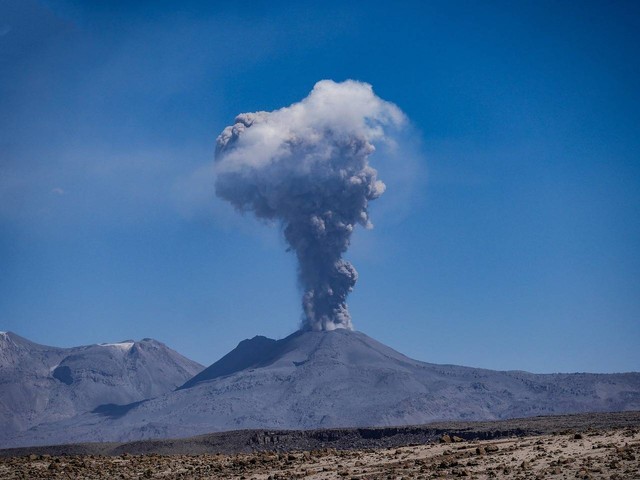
[307, 167]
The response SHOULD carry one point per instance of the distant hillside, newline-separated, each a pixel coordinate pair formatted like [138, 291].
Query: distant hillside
[41, 384]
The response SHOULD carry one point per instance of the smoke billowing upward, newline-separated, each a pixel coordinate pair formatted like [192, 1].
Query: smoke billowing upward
[307, 166]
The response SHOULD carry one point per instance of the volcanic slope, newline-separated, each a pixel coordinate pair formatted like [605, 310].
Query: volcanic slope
[339, 379]
[42, 384]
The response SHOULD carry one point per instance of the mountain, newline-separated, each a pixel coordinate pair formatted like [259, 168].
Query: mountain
[42, 384]
[338, 379]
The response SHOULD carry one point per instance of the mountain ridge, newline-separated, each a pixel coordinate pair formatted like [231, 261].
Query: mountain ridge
[340, 379]
[245, 355]
[43, 384]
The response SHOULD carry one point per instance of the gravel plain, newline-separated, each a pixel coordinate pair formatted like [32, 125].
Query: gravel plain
[585, 446]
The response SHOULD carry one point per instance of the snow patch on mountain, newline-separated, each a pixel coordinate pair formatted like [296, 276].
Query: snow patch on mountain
[126, 346]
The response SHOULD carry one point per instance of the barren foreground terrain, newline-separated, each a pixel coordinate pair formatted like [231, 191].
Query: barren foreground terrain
[581, 451]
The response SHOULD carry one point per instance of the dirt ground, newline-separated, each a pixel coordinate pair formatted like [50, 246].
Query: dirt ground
[593, 453]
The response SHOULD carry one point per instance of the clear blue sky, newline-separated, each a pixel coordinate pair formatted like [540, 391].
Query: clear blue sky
[515, 246]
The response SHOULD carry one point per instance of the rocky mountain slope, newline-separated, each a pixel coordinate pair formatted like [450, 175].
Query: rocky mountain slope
[339, 379]
[42, 384]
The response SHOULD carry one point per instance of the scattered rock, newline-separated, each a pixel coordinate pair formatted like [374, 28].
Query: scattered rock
[583, 474]
[460, 472]
[512, 458]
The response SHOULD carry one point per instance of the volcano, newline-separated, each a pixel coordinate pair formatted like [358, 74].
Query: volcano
[339, 378]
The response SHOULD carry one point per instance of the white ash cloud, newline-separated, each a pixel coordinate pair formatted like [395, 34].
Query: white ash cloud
[307, 166]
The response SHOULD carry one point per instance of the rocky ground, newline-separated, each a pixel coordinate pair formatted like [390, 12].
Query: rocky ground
[612, 453]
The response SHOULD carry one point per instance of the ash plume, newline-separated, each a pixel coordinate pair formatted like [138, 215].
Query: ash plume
[307, 167]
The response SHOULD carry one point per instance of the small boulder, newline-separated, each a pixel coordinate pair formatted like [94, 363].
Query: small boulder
[445, 439]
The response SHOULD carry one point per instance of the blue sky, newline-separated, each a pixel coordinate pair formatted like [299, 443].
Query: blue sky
[509, 240]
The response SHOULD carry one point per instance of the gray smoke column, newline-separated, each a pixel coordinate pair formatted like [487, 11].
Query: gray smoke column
[307, 166]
